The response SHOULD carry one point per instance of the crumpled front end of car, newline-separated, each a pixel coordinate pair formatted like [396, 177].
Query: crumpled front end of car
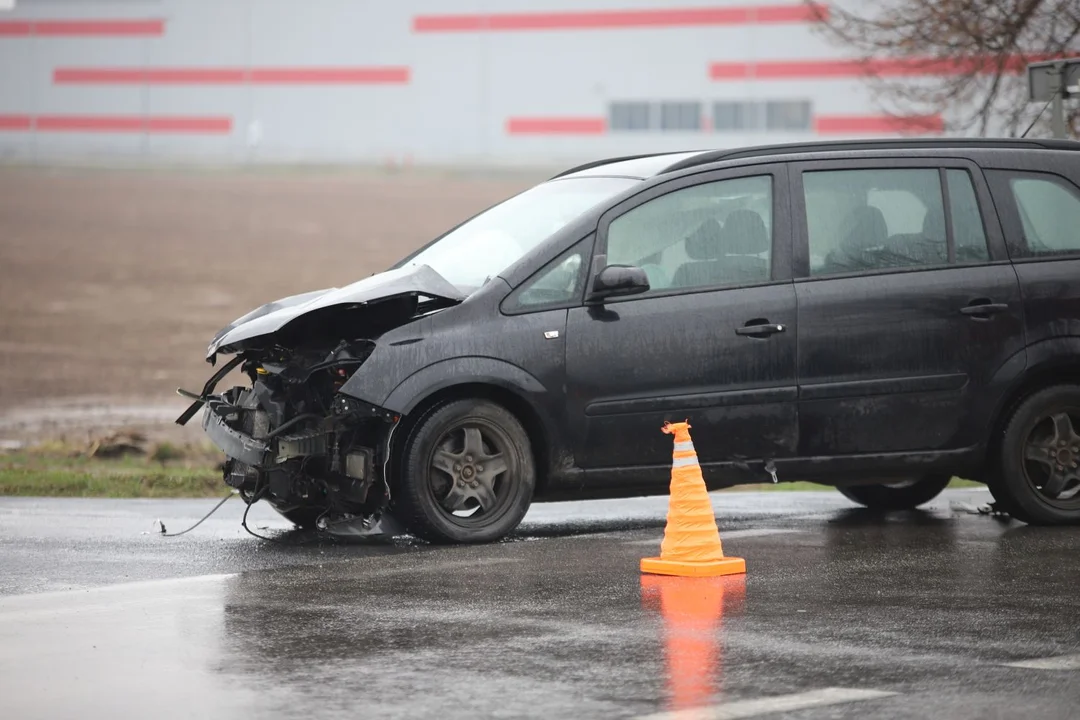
[290, 437]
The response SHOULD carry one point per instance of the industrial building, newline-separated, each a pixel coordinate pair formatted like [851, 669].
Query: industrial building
[425, 81]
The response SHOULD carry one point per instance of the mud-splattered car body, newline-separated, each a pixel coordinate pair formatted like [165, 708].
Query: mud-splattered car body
[526, 354]
[335, 374]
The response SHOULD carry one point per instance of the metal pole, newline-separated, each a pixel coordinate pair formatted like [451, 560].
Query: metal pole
[1057, 112]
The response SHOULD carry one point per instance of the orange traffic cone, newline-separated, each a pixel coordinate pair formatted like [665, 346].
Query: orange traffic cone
[691, 545]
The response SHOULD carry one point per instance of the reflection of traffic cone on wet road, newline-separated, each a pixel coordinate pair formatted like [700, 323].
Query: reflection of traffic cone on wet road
[691, 543]
[693, 610]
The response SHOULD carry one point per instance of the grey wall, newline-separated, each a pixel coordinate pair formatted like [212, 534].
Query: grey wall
[457, 93]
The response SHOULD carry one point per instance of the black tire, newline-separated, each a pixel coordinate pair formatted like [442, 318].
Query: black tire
[427, 494]
[899, 495]
[1025, 486]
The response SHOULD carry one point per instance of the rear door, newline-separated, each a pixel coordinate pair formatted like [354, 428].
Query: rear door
[908, 305]
[713, 341]
[1041, 214]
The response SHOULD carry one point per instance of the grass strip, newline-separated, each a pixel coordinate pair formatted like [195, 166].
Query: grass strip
[56, 472]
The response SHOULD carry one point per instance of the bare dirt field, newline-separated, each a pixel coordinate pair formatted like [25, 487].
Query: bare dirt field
[113, 281]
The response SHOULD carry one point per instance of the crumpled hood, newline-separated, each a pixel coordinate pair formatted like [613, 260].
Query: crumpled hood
[271, 317]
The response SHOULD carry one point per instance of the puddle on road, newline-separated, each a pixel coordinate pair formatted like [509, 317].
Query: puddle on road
[692, 610]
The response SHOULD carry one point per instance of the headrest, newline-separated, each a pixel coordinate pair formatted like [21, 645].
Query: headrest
[933, 226]
[866, 228]
[704, 242]
[745, 234]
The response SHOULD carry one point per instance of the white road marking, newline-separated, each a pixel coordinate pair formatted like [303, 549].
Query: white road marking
[123, 587]
[105, 598]
[751, 532]
[769, 705]
[1061, 662]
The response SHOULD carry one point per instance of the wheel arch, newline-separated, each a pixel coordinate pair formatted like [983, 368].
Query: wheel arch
[1051, 362]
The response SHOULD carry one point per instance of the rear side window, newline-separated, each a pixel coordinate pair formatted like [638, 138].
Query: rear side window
[864, 220]
[880, 219]
[1048, 210]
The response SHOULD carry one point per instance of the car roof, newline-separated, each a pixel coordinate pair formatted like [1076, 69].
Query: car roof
[633, 166]
[652, 165]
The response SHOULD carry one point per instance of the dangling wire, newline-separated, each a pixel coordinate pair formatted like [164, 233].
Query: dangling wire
[386, 461]
[178, 534]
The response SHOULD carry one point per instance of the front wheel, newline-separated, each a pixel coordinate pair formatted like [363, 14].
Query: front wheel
[468, 474]
[900, 495]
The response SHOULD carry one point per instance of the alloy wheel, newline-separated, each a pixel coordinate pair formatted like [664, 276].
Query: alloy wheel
[1052, 457]
[470, 472]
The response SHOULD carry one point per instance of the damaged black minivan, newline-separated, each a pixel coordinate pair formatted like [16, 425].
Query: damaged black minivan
[878, 315]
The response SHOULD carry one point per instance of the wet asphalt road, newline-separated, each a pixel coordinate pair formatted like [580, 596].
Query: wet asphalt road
[843, 614]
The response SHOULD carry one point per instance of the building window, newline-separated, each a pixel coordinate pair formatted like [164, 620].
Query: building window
[738, 116]
[680, 116]
[755, 116]
[630, 116]
[788, 115]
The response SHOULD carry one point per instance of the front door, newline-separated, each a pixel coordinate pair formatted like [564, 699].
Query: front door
[907, 308]
[713, 340]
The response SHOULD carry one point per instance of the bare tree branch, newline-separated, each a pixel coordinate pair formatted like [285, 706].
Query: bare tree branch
[963, 59]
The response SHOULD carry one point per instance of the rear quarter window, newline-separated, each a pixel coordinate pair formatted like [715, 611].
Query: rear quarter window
[1042, 213]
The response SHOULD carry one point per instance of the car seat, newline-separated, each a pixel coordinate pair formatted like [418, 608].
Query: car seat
[865, 230]
[703, 247]
[742, 240]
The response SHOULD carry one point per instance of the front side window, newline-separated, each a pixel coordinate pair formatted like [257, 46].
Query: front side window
[865, 220]
[484, 246]
[709, 235]
[1049, 210]
[557, 284]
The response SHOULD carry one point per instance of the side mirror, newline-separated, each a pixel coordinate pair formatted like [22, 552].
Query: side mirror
[617, 281]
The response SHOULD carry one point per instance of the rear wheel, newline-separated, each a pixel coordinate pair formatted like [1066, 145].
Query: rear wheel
[468, 474]
[1038, 481]
[900, 495]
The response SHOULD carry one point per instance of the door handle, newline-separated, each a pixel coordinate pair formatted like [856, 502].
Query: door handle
[983, 308]
[759, 328]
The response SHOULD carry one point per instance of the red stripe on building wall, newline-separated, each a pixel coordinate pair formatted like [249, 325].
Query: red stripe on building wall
[329, 76]
[613, 19]
[130, 124]
[99, 28]
[556, 126]
[909, 67]
[198, 125]
[14, 28]
[83, 28]
[154, 76]
[15, 122]
[859, 124]
[233, 76]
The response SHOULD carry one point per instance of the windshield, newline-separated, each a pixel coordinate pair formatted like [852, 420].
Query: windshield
[493, 240]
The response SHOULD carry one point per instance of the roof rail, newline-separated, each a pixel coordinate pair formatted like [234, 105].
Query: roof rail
[879, 144]
[606, 161]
